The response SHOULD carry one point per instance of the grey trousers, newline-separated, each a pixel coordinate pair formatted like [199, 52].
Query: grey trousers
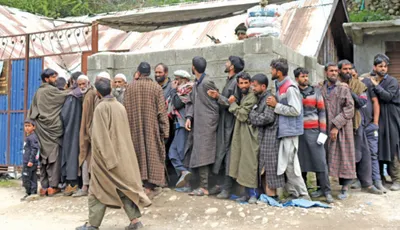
[295, 185]
[98, 209]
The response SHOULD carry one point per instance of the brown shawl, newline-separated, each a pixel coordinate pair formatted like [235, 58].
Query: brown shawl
[358, 88]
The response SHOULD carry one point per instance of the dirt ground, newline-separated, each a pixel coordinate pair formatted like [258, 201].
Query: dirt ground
[177, 211]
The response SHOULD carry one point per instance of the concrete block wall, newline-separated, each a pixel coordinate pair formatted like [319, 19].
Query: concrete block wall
[256, 52]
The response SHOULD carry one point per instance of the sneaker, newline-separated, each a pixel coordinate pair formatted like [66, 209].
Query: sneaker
[373, 190]
[134, 226]
[185, 177]
[395, 186]
[70, 190]
[253, 200]
[317, 193]
[329, 198]
[53, 191]
[224, 194]
[86, 227]
[80, 193]
[344, 194]
[24, 198]
[378, 184]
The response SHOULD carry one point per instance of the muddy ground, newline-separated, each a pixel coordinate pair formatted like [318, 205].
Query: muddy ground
[177, 211]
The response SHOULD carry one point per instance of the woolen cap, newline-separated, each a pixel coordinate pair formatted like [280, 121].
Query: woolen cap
[144, 68]
[183, 74]
[237, 62]
[30, 121]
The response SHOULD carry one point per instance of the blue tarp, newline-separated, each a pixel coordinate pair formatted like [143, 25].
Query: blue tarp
[293, 203]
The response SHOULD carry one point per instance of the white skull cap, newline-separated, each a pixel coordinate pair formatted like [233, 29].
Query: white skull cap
[121, 75]
[104, 75]
[83, 77]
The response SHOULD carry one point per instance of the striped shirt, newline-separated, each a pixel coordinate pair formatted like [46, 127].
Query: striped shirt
[314, 109]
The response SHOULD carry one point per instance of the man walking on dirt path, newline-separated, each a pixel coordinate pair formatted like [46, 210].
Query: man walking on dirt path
[115, 172]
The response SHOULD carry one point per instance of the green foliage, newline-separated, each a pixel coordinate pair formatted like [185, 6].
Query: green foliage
[369, 16]
[66, 8]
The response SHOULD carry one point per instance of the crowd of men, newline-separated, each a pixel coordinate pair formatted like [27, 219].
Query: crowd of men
[117, 136]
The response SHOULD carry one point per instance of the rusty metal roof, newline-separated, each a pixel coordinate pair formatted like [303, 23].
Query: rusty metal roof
[304, 25]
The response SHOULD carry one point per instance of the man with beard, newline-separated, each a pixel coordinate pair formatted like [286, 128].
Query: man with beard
[312, 155]
[226, 124]
[45, 111]
[288, 105]
[202, 112]
[340, 108]
[264, 118]
[161, 76]
[71, 115]
[88, 105]
[387, 90]
[148, 120]
[115, 179]
[243, 162]
[119, 90]
[362, 152]
[181, 89]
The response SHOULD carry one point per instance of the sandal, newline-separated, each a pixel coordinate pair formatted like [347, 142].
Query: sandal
[199, 192]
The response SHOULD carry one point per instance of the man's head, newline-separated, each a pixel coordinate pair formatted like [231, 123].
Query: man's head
[182, 77]
[345, 70]
[259, 83]
[103, 87]
[83, 83]
[381, 65]
[61, 83]
[199, 65]
[244, 82]
[234, 65]
[49, 76]
[279, 68]
[120, 81]
[301, 76]
[161, 72]
[331, 70]
[29, 126]
[74, 76]
[144, 69]
[240, 31]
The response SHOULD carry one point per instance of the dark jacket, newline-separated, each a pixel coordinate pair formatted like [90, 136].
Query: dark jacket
[31, 148]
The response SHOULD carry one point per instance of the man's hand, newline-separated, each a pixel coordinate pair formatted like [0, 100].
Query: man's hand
[174, 84]
[213, 93]
[334, 133]
[271, 101]
[30, 164]
[231, 99]
[188, 125]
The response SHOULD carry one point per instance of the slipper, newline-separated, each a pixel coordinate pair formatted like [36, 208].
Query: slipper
[198, 192]
[215, 190]
[183, 179]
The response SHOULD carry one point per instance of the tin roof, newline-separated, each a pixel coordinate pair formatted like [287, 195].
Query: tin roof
[304, 25]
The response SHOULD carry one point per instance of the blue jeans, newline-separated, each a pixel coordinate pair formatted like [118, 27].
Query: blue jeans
[371, 131]
[177, 150]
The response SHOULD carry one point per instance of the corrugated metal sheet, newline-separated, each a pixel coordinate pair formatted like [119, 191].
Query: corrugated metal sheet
[16, 138]
[34, 80]
[17, 84]
[3, 138]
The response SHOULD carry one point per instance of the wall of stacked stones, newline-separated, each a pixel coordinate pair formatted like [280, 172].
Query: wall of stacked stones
[256, 52]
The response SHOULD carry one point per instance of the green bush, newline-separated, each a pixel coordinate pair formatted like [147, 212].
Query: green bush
[369, 16]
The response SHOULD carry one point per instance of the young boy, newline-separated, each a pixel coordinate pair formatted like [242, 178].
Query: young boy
[30, 161]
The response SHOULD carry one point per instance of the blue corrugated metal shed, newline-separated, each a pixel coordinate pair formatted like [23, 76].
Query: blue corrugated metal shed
[34, 80]
[17, 84]
[3, 138]
[16, 138]
[3, 103]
